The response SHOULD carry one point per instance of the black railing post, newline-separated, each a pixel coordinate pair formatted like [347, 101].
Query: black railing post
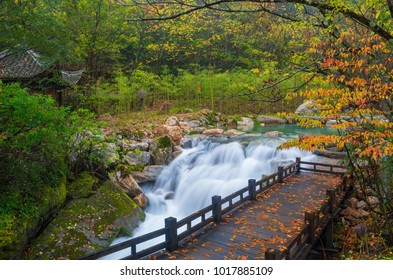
[252, 189]
[309, 218]
[280, 176]
[217, 211]
[332, 200]
[329, 235]
[171, 234]
[298, 159]
[271, 254]
[263, 181]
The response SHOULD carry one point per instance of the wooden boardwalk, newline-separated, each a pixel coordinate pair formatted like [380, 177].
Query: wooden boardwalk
[281, 216]
[269, 222]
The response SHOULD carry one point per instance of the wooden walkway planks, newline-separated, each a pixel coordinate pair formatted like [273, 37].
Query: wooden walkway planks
[271, 221]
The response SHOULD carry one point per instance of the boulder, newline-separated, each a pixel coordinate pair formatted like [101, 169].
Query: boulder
[161, 130]
[361, 204]
[233, 132]
[141, 200]
[149, 173]
[105, 155]
[126, 182]
[161, 150]
[360, 229]
[84, 186]
[177, 151]
[131, 145]
[307, 108]
[245, 124]
[270, 120]
[137, 158]
[213, 132]
[373, 201]
[330, 122]
[350, 213]
[185, 126]
[363, 214]
[330, 153]
[172, 121]
[86, 225]
[353, 201]
[176, 134]
[194, 123]
[204, 121]
[273, 133]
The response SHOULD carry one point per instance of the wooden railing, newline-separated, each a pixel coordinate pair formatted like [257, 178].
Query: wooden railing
[317, 223]
[175, 231]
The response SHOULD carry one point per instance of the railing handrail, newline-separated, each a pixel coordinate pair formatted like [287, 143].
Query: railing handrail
[277, 177]
[314, 224]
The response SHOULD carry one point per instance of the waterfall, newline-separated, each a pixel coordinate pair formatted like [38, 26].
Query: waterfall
[210, 168]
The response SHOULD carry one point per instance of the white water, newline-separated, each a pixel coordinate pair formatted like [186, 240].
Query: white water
[205, 170]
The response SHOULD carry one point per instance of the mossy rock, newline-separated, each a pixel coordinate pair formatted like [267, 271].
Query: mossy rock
[164, 142]
[137, 158]
[161, 150]
[88, 224]
[16, 231]
[82, 187]
[128, 169]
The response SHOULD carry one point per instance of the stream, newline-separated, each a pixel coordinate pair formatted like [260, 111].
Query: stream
[208, 168]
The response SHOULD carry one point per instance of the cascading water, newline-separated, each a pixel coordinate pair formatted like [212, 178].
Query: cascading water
[207, 169]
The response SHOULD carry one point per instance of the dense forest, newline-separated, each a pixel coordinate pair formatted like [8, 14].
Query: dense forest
[141, 60]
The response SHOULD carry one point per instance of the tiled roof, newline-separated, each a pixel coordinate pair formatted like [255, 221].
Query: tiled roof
[20, 65]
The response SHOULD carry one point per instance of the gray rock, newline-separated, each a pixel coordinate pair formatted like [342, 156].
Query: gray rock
[172, 121]
[161, 150]
[274, 133]
[307, 108]
[105, 155]
[213, 131]
[245, 124]
[330, 153]
[204, 121]
[127, 183]
[195, 123]
[87, 224]
[361, 204]
[363, 214]
[131, 145]
[233, 132]
[353, 202]
[373, 201]
[149, 173]
[330, 122]
[141, 200]
[270, 120]
[360, 229]
[137, 158]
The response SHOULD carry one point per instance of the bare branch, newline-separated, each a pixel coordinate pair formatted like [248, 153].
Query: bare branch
[193, 6]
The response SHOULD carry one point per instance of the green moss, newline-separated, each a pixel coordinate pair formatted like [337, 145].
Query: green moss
[127, 169]
[88, 224]
[82, 187]
[6, 230]
[17, 227]
[164, 142]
